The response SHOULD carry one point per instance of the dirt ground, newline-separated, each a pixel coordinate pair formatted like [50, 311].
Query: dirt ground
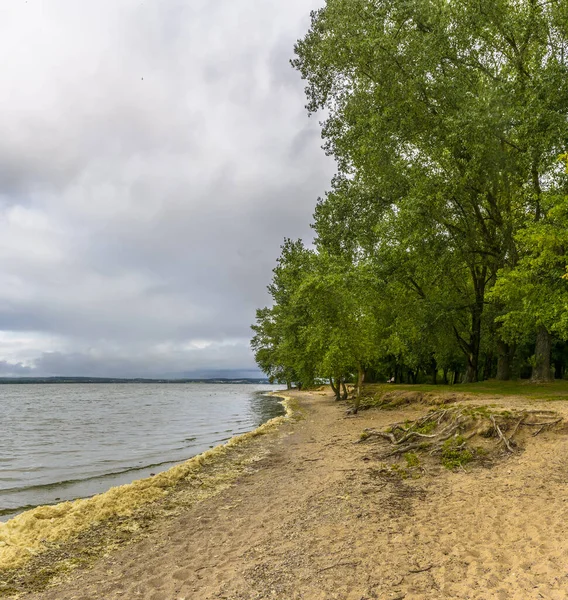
[316, 522]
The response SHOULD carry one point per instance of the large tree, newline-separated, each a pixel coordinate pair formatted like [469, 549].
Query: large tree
[450, 114]
[535, 292]
[279, 342]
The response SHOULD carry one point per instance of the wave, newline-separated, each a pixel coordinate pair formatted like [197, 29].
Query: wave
[20, 495]
[66, 482]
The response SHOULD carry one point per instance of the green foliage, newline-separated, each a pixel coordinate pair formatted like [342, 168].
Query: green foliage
[535, 290]
[278, 338]
[412, 460]
[443, 236]
[455, 454]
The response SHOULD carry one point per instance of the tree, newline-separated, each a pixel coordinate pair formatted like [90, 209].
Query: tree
[343, 329]
[535, 291]
[453, 112]
[278, 342]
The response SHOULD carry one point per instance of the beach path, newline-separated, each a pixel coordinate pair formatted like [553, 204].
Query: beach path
[316, 521]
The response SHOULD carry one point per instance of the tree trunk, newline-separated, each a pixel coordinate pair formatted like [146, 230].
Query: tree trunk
[335, 388]
[445, 379]
[434, 372]
[471, 371]
[288, 385]
[472, 347]
[338, 388]
[505, 353]
[488, 366]
[360, 379]
[344, 396]
[541, 370]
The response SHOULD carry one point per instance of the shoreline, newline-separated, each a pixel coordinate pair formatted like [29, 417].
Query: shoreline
[32, 532]
[314, 515]
[85, 487]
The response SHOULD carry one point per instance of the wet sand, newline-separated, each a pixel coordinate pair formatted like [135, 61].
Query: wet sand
[312, 521]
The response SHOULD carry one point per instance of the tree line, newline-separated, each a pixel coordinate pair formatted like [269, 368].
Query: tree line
[441, 249]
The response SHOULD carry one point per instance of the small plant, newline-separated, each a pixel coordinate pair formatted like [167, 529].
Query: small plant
[426, 428]
[399, 471]
[412, 460]
[478, 411]
[451, 435]
[455, 453]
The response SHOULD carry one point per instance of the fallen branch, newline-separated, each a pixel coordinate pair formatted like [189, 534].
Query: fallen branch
[543, 426]
[405, 449]
[421, 570]
[369, 433]
[449, 432]
[412, 434]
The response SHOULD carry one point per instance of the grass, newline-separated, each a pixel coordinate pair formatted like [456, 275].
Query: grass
[558, 390]
[455, 454]
[412, 459]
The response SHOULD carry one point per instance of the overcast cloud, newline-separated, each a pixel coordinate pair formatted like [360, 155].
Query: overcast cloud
[153, 156]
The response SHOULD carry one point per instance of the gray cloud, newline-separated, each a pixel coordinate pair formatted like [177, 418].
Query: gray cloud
[153, 157]
[14, 369]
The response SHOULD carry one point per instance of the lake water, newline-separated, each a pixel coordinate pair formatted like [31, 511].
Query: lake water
[61, 442]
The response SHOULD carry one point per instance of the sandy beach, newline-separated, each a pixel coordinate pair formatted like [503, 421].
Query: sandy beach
[315, 520]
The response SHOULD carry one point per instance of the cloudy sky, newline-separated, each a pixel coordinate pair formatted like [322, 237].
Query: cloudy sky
[153, 156]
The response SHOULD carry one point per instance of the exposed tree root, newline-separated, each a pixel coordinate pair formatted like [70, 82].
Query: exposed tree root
[500, 434]
[451, 433]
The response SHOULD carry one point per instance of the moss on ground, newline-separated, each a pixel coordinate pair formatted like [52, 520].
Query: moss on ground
[455, 453]
[457, 435]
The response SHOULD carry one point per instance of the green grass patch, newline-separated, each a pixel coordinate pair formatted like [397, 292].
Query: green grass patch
[557, 390]
[455, 454]
[412, 460]
[426, 428]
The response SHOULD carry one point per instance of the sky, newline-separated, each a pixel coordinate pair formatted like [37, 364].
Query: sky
[153, 156]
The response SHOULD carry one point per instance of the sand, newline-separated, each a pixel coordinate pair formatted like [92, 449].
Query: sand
[32, 532]
[313, 521]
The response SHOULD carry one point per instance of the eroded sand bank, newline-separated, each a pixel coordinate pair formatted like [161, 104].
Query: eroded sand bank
[313, 521]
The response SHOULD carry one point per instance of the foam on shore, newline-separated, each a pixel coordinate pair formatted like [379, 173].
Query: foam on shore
[27, 534]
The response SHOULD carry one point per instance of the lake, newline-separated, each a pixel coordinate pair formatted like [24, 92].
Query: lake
[65, 441]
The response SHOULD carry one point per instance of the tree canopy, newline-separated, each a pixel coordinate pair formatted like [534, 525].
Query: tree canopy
[441, 245]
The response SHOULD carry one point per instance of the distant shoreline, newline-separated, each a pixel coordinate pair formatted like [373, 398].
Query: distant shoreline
[71, 380]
